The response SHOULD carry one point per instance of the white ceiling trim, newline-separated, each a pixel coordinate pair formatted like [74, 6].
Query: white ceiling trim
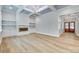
[24, 7]
[52, 7]
[45, 7]
[20, 8]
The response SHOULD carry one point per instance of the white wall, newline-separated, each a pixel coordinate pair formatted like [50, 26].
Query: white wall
[0, 25]
[77, 26]
[48, 24]
[69, 10]
[52, 24]
[23, 19]
[61, 25]
[0, 19]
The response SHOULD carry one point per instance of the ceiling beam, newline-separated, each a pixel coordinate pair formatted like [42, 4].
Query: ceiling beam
[20, 8]
[45, 7]
[52, 7]
[25, 8]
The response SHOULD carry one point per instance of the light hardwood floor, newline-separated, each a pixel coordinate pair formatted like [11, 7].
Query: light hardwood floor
[67, 42]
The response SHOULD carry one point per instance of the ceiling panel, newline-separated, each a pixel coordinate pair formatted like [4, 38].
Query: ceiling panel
[60, 6]
[45, 11]
[9, 8]
[34, 7]
[25, 12]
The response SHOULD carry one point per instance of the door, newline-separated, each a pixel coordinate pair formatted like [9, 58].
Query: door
[66, 26]
[69, 26]
[72, 26]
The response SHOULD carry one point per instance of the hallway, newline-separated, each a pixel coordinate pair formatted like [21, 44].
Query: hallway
[67, 42]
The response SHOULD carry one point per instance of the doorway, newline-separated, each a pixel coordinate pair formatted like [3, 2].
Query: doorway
[69, 27]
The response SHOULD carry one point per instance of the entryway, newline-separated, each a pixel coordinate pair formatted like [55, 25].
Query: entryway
[69, 27]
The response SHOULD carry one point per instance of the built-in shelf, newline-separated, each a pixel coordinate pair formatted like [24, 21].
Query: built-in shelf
[8, 23]
[22, 25]
[9, 27]
[10, 20]
[32, 25]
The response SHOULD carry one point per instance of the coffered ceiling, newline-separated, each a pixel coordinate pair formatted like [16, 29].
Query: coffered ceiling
[31, 9]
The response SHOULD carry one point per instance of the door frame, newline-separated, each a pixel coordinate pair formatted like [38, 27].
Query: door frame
[69, 26]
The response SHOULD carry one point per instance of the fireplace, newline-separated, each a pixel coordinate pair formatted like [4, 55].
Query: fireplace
[23, 28]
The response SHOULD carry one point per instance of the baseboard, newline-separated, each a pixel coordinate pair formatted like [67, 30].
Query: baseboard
[48, 34]
[8, 36]
[19, 34]
[0, 40]
[23, 33]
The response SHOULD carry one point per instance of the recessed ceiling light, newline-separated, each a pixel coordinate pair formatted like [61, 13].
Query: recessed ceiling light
[10, 7]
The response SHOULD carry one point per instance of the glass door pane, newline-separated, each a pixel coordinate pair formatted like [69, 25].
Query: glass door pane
[71, 25]
[66, 25]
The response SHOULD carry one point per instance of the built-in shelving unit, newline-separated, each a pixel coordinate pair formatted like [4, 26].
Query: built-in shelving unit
[8, 23]
[9, 27]
[32, 25]
[17, 23]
